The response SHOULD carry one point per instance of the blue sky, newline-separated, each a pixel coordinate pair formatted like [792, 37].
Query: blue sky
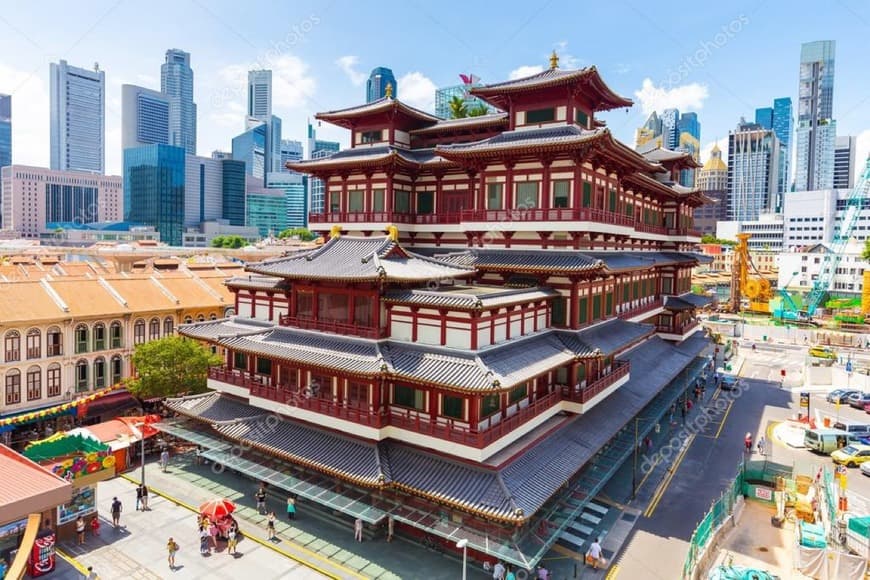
[720, 59]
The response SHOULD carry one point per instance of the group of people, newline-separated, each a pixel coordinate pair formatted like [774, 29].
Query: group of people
[209, 532]
[502, 571]
[759, 446]
[80, 528]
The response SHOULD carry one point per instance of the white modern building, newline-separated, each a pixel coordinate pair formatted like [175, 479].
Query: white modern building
[176, 82]
[766, 232]
[295, 188]
[78, 118]
[844, 162]
[144, 117]
[260, 94]
[35, 196]
[800, 268]
[816, 130]
[201, 235]
[811, 217]
[753, 171]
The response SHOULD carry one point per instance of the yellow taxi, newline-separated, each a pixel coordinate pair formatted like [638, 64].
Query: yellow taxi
[825, 352]
[852, 455]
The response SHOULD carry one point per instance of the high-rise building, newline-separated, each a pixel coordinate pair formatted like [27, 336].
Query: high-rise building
[290, 151]
[816, 128]
[444, 96]
[713, 181]
[250, 147]
[35, 196]
[295, 188]
[649, 136]
[176, 82]
[318, 149]
[675, 132]
[753, 170]
[144, 117]
[670, 134]
[376, 86]
[779, 119]
[78, 118]
[260, 94]
[214, 189]
[218, 154]
[689, 140]
[5, 130]
[844, 162]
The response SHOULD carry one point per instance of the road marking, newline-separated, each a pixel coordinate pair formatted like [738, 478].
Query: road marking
[663, 486]
[724, 417]
[613, 572]
[648, 473]
[72, 561]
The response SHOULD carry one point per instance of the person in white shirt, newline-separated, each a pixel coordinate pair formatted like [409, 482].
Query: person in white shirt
[498, 571]
[593, 556]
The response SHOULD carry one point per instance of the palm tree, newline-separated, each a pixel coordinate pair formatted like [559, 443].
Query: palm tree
[478, 110]
[458, 110]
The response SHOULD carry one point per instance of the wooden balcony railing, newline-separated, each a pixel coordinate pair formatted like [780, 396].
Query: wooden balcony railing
[334, 327]
[340, 217]
[679, 328]
[637, 310]
[53, 350]
[619, 369]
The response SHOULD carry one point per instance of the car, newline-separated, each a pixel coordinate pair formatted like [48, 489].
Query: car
[865, 468]
[840, 395]
[729, 383]
[858, 400]
[851, 455]
[825, 352]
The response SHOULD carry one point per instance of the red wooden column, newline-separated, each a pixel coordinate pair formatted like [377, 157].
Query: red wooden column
[546, 197]
[368, 204]
[375, 388]
[271, 305]
[473, 411]
[292, 299]
[574, 303]
[509, 186]
[577, 192]
[481, 191]
[439, 193]
[388, 194]
[470, 197]
[344, 195]
[376, 312]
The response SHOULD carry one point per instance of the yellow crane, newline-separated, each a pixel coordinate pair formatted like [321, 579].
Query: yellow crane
[747, 282]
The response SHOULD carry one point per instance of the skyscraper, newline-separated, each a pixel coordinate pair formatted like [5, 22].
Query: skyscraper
[713, 181]
[176, 82]
[753, 166]
[5, 130]
[295, 188]
[290, 151]
[78, 118]
[649, 136]
[260, 94]
[250, 147]
[675, 132]
[376, 86]
[154, 189]
[816, 128]
[689, 140]
[669, 118]
[779, 119]
[144, 117]
[844, 162]
[316, 188]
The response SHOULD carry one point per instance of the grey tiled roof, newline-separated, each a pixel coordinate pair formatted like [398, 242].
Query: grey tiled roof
[259, 282]
[447, 298]
[233, 326]
[379, 105]
[314, 447]
[520, 260]
[437, 365]
[559, 134]
[677, 303]
[697, 300]
[614, 335]
[355, 258]
[213, 407]
[454, 124]
[624, 260]
[516, 362]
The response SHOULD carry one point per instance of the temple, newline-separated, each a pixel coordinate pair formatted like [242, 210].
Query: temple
[497, 298]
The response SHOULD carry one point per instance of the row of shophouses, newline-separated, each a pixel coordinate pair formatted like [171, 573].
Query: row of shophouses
[69, 329]
[496, 299]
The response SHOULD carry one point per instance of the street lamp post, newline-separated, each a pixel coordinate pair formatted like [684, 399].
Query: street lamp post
[463, 545]
[634, 462]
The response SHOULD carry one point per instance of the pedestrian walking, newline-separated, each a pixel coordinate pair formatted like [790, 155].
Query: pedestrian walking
[171, 548]
[80, 529]
[747, 441]
[291, 508]
[164, 459]
[509, 573]
[760, 445]
[390, 525]
[92, 575]
[116, 512]
[204, 539]
[498, 571]
[270, 526]
[144, 496]
[358, 530]
[260, 496]
[138, 496]
[689, 405]
[95, 525]
[683, 413]
[232, 540]
[212, 534]
[647, 441]
[543, 573]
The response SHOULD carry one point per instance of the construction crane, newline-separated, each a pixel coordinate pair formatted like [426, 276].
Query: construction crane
[831, 259]
[747, 281]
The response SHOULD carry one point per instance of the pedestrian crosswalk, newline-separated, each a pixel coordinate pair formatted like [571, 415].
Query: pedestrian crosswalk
[580, 532]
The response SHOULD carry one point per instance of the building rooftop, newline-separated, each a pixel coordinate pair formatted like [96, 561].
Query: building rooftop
[469, 297]
[27, 488]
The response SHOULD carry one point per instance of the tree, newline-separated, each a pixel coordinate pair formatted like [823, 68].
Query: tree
[217, 242]
[231, 242]
[458, 109]
[866, 253]
[170, 366]
[303, 234]
[711, 239]
[478, 110]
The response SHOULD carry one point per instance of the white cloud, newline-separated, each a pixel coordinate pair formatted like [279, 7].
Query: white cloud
[348, 65]
[526, 70]
[683, 97]
[862, 150]
[723, 146]
[30, 115]
[417, 90]
[566, 59]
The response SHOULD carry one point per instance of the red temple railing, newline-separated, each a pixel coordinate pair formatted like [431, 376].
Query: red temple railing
[332, 217]
[677, 329]
[637, 310]
[619, 370]
[334, 327]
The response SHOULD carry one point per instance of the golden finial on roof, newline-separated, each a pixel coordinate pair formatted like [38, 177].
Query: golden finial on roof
[393, 233]
[554, 61]
[335, 231]
[388, 91]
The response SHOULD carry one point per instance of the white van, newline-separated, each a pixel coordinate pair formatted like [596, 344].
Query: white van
[826, 440]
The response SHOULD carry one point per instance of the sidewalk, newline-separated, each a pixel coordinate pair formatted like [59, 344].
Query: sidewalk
[312, 537]
[137, 549]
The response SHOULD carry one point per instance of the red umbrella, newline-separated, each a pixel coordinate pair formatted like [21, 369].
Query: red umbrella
[217, 508]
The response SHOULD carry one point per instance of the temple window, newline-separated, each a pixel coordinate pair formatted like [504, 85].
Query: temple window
[377, 200]
[518, 393]
[362, 310]
[409, 397]
[264, 366]
[402, 201]
[357, 395]
[334, 201]
[613, 200]
[372, 136]
[490, 404]
[240, 361]
[562, 376]
[587, 194]
[527, 195]
[540, 116]
[561, 193]
[494, 195]
[582, 118]
[356, 201]
[304, 304]
[332, 307]
[557, 314]
[425, 202]
[582, 306]
[453, 407]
